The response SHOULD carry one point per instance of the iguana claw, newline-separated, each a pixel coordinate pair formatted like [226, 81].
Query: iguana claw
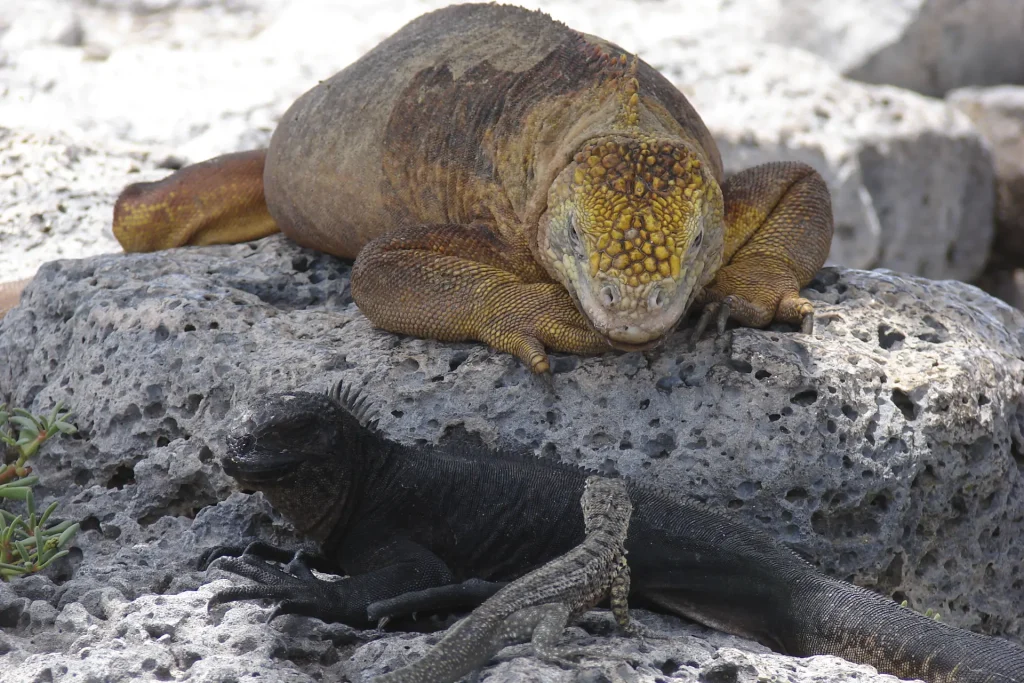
[295, 586]
[720, 311]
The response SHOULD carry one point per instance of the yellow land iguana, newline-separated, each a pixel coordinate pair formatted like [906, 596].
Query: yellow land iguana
[498, 176]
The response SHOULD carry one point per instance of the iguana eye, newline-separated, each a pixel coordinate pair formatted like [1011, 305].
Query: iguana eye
[574, 237]
[697, 240]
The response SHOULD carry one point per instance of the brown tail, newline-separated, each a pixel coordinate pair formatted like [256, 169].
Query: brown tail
[219, 201]
[10, 294]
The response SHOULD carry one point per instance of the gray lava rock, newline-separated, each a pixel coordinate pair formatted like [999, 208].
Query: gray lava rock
[930, 46]
[910, 177]
[999, 115]
[885, 447]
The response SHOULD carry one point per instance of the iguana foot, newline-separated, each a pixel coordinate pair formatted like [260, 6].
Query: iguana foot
[461, 282]
[466, 595]
[779, 228]
[299, 591]
[258, 548]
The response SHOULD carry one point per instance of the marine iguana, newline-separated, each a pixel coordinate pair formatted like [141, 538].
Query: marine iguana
[538, 605]
[461, 519]
[498, 176]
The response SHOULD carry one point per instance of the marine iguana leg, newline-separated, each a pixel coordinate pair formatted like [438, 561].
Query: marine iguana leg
[219, 201]
[266, 552]
[466, 595]
[460, 282]
[779, 229]
[411, 568]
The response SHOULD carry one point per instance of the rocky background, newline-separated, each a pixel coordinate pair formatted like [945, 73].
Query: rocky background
[887, 448]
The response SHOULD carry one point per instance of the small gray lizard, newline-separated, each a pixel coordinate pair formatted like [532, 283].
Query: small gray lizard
[538, 606]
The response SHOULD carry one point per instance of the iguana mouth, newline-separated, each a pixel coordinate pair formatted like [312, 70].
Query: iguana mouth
[247, 464]
[623, 346]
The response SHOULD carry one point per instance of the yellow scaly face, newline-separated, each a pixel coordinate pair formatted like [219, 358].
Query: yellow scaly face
[633, 230]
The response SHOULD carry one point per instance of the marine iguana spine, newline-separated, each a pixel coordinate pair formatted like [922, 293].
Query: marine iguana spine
[398, 519]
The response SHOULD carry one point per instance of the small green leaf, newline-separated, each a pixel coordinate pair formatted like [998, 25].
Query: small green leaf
[65, 427]
[68, 534]
[26, 423]
[15, 492]
[50, 559]
[39, 542]
[46, 513]
[23, 551]
[30, 480]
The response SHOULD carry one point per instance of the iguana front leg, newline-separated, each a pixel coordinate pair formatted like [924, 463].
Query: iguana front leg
[455, 283]
[469, 594]
[778, 231]
[401, 566]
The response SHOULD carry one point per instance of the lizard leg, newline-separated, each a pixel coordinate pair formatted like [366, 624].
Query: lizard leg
[542, 626]
[219, 201]
[778, 233]
[468, 594]
[460, 282]
[618, 596]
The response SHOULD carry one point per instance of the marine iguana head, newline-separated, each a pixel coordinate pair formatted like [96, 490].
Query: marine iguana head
[299, 449]
[634, 229]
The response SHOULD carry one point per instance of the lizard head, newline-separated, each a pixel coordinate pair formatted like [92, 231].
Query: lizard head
[297, 448]
[633, 230]
[605, 499]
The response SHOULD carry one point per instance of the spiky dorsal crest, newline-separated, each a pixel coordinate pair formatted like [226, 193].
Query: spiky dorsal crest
[630, 116]
[353, 401]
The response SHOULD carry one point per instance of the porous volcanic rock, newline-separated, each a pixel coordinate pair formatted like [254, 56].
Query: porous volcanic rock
[886, 447]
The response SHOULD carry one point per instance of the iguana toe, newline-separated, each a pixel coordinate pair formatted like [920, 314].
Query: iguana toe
[717, 310]
[797, 310]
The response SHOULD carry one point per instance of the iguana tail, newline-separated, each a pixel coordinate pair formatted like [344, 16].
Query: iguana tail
[696, 562]
[219, 201]
[811, 614]
[10, 295]
[862, 626]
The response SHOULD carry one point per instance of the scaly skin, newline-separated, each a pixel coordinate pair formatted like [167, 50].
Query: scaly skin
[416, 528]
[538, 606]
[500, 177]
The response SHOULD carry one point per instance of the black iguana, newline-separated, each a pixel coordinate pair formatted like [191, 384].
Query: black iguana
[538, 606]
[398, 519]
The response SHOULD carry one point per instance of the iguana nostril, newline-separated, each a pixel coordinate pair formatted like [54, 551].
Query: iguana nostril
[656, 300]
[242, 444]
[609, 296]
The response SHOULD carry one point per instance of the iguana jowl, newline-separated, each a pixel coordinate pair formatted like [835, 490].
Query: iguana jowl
[398, 519]
[500, 177]
[538, 606]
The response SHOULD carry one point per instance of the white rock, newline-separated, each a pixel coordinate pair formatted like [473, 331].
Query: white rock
[930, 46]
[911, 179]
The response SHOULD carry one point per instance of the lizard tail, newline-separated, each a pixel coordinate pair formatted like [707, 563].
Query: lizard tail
[219, 201]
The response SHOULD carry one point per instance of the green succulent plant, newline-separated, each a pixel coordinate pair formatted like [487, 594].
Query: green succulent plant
[27, 544]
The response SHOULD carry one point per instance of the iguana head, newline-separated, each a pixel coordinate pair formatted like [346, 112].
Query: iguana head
[299, 448]
[634, 228]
